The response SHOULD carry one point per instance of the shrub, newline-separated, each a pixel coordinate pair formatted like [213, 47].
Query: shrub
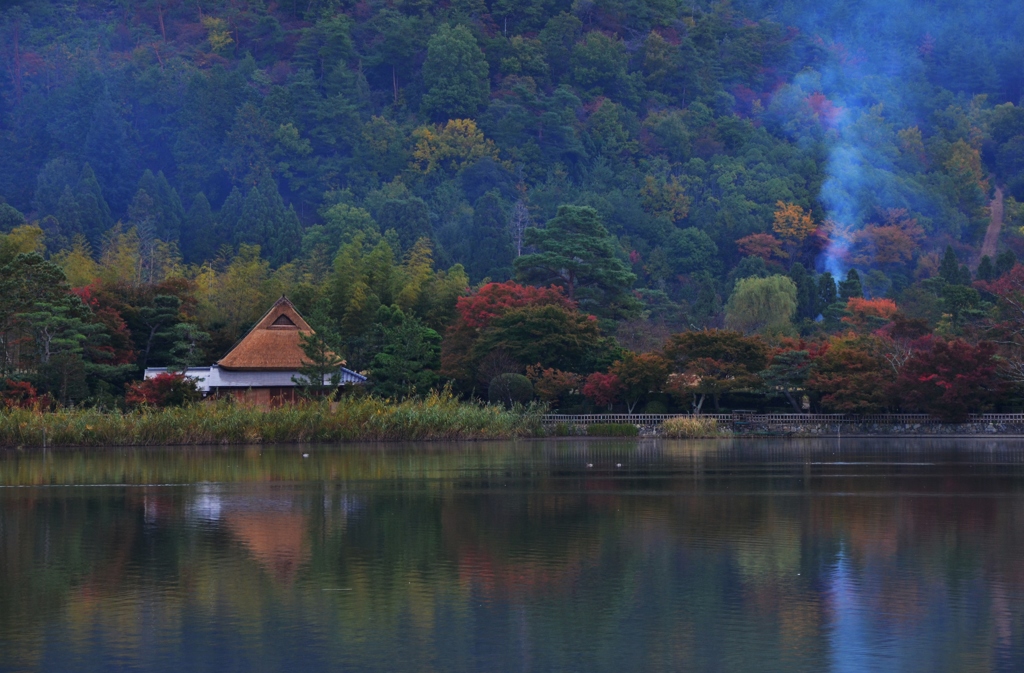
[19, 395]
[689, 427]
[509, 389]
[163, 390]
[656, 407]
[612, 430]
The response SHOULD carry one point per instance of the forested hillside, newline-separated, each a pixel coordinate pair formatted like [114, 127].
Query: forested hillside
[618, 170]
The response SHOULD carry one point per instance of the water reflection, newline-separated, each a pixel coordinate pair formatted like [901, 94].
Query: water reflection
[540, 556]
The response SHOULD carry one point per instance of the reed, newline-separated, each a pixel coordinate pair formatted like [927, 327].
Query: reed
[439, 416]
[690, 427]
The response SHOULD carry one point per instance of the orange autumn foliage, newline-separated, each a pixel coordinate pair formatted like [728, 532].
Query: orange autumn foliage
[792, 221]
[864, 312]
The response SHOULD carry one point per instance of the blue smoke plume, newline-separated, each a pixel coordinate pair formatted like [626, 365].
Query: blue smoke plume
[880, 66]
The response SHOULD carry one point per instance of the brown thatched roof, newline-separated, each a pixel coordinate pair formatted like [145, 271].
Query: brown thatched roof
[273, 344]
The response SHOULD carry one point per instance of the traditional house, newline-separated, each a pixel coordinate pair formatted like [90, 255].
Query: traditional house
[263, 367]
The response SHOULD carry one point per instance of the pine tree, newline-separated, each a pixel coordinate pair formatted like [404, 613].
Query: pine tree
[320, 373]
[851, 288]
[576, 252]
[986, 270]
[949, 268]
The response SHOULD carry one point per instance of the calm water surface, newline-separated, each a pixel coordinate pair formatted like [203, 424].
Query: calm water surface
[530, 556]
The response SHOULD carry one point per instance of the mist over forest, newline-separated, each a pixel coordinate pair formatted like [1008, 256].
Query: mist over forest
[542, 189]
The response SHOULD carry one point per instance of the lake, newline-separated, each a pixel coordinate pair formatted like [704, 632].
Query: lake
[574, 555]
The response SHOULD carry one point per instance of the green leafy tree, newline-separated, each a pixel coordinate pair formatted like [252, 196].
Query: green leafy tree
[576, 252]
[455, 74]
[10, 217]
[409, 355]
[551, 336]
[762, 305]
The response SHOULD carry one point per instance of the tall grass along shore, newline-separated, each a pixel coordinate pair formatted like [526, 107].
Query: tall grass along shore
[436, 417]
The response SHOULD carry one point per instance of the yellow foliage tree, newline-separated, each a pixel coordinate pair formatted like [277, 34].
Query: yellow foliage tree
[665, 198]
[451, 147]
[22, 239]
[78, 265]
[792, 222]
[217, 33]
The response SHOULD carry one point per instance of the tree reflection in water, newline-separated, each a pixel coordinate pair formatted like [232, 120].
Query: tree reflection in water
[502, 556]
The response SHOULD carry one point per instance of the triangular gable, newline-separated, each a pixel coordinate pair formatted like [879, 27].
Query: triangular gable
[273, 344]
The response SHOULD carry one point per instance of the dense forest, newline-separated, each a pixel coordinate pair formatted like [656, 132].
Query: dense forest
[595, 203]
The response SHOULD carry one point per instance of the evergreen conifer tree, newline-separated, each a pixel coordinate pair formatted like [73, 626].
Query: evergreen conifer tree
[199, 234]
[266, 222]
[577, 252]
[806, 291]
[68, 214]
[986, 270]
[949, 268]
[851, 288]
[106, 145]
[1005, 261]
[826, 292]
[93, 208]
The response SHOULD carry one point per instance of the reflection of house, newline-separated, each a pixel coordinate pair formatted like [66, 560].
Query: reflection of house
[263, 366]
[277, 540]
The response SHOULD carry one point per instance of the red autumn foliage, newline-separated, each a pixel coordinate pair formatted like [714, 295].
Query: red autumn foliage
[764, 246]
[550, 384]
[949, 379]
[19, 395]
[1009, 286]
[602, 389]
[163, 390]
[824, 109]
[495, 299]
[852, 375]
